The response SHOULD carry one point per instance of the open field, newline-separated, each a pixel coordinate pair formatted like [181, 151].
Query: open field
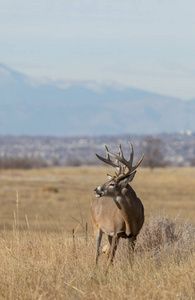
[53, 199]
[40, 260]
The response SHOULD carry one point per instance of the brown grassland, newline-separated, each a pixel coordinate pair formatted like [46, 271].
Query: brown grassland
[41, 259]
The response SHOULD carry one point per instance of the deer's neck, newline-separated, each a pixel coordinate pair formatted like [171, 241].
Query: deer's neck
[126, 203]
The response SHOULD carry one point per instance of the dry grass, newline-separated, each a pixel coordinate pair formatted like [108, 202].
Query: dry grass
[40, 259]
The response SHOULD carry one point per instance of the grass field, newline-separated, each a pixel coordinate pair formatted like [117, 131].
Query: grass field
[41, 260]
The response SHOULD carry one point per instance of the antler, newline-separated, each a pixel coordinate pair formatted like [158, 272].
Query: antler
[120, 158]
[107, 160]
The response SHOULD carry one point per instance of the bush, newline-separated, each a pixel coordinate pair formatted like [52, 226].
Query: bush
[166, 235]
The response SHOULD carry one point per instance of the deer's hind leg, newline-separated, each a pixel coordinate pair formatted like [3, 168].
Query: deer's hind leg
[131, 243]
[106, 248]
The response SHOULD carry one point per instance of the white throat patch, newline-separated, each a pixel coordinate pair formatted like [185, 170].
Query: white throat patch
[118, 199]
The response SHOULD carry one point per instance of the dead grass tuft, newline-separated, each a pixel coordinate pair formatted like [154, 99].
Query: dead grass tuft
[50, 189]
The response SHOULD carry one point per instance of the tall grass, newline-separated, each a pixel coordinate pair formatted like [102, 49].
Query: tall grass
[37, 265]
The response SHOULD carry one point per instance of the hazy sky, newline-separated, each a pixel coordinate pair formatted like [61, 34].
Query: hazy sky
[148, 44]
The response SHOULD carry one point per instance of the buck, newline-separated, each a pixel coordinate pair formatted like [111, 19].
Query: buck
[117, 212]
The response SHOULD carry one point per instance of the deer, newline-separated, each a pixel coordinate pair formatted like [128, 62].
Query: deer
[117, 212]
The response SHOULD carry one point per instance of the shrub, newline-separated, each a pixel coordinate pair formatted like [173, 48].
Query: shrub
[164, 234]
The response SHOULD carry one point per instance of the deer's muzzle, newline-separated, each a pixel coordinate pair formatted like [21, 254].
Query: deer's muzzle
[98, 193]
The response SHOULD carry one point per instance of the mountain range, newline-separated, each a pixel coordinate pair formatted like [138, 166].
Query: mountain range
[67, 108]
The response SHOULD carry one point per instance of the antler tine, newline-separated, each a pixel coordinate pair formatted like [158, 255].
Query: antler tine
[138, 163]
[120, 157]
[123, 161]
[120, 151]
[107, 160]
[131, 154]
[131, 158]
[120, 171]
[115, 163]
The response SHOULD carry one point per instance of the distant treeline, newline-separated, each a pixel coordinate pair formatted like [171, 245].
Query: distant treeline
[22, 163]
[37, 163]
[150, 161]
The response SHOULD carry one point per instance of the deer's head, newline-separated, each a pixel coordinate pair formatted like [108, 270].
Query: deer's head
[116, 184]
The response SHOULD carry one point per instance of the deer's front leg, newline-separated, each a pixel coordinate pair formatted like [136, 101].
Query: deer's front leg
[98, 237]
[113, 249]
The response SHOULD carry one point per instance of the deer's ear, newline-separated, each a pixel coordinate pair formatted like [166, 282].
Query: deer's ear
[129, 178]
[109, 176]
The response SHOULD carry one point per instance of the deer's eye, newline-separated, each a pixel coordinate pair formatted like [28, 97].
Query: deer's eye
[111, 184]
